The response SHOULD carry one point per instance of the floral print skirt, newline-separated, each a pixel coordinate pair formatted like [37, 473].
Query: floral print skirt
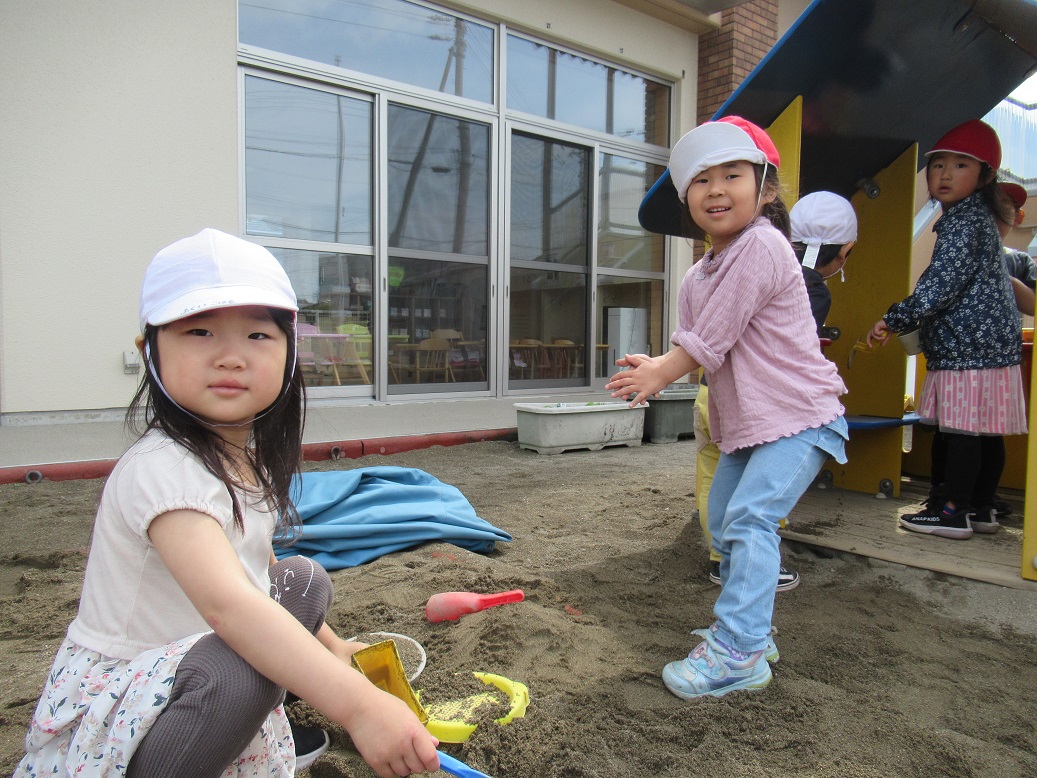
[975, 402]
[95, 710]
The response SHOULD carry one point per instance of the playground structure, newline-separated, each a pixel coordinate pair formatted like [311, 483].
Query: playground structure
[853, 95]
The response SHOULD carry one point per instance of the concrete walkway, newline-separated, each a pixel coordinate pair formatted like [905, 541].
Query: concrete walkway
[86, 449]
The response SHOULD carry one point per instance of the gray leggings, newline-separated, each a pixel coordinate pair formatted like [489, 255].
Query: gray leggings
[218, 701]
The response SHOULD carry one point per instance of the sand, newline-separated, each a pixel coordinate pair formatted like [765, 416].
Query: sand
[884, 671]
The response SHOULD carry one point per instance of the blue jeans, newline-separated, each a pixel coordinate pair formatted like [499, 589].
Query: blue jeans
[754, 488]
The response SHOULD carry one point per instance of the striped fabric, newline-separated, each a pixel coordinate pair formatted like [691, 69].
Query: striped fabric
[978, 402]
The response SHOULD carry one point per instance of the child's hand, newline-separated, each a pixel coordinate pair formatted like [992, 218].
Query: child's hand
[644, 379]
[878, 334]
[391, 739]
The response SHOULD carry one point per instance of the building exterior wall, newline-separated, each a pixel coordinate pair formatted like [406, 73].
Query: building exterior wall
[120, 133]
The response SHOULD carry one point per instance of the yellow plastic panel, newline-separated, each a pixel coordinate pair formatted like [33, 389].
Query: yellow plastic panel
[1029, 564]
[787, 131]
[877, 274]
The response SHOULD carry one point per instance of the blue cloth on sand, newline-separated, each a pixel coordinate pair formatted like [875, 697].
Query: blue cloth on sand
[354, 516]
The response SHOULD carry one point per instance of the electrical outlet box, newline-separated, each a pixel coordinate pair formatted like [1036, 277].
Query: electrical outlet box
[131, 361]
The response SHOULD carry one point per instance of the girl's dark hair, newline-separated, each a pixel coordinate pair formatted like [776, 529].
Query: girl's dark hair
[776, 211]
[276, 451]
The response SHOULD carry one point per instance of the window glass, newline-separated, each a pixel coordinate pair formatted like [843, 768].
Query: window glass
[387, 38]
[308, 164]
[336, 329]
[550, 199]
[622, 243]
[438, 183]
[437, 323]
[555, 84]
[630, 317]
[548, 326]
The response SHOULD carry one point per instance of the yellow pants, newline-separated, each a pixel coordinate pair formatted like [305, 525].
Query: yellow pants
[705, 465]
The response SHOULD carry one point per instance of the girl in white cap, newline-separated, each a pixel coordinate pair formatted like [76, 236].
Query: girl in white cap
[774, 408]
[189, 630]
[965, 311]
[824, 232]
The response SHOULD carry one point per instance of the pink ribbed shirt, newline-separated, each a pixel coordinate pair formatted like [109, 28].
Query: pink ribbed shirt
[745, 317]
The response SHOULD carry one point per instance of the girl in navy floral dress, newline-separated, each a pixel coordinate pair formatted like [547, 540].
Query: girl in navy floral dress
[970, 332]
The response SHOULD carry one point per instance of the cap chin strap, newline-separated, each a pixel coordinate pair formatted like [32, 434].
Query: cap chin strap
[284, 390]
[759, 195]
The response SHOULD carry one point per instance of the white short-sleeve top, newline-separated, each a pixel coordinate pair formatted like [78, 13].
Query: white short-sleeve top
[130, 601]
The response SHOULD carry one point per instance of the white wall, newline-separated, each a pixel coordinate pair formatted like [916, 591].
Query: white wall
[118, 135]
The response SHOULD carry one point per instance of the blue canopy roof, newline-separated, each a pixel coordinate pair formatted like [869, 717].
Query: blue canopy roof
[875, 77]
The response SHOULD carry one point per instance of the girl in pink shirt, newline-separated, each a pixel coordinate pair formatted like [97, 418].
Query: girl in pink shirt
[774, 399]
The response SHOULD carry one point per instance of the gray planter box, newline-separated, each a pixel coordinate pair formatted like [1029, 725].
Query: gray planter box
[671, 415]
[551, 428]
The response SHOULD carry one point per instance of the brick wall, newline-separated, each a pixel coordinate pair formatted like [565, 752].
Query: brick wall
[727, 55]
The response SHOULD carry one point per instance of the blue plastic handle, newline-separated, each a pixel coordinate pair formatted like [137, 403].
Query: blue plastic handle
[457, 767]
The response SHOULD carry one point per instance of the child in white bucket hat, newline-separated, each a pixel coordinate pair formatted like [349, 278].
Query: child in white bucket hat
[189, 630]
[824, 231]
[774, 404]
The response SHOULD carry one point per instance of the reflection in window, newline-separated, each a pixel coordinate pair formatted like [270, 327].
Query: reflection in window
[550, 201]
[548, 326]
[336, 330]
[630, 312]
[622, 243]
[439, 183]
[387, 38]
[548, 82]
[308, 166]
[437, 324]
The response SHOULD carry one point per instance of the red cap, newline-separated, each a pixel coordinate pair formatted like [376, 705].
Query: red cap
[973, 138]
[1015, 193]
[760, 138]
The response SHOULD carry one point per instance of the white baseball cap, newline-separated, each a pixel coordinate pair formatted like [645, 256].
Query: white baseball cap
[822, 218]
[729, 139]
[211, 270]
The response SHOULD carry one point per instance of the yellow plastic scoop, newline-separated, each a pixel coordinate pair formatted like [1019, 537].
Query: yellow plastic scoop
[381, 664]
[449, 721]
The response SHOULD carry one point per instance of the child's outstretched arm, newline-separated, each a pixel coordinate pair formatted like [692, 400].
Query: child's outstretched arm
[385, 731]
[647, 376]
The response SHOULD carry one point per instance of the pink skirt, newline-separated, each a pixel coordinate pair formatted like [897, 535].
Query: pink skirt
[975, 402]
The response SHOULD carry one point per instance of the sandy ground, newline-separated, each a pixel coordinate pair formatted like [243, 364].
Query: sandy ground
[884, 671]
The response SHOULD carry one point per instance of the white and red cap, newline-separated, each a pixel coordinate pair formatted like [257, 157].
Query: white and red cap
[730, 139]
[212, 270]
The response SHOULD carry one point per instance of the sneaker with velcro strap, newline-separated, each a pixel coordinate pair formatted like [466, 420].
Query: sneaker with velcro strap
[714, 669]
[770, 651]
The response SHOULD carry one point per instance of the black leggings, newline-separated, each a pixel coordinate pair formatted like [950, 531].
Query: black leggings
[218, 701]
[967, 468]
